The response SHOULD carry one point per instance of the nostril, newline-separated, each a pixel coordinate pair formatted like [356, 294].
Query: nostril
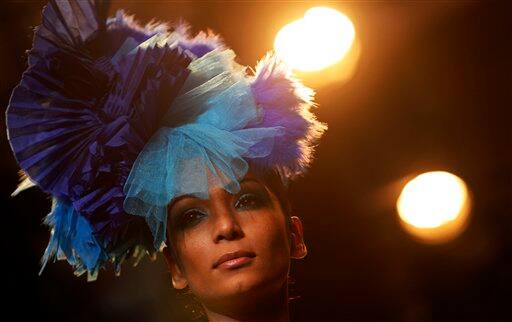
[226, 221]
[229, 232]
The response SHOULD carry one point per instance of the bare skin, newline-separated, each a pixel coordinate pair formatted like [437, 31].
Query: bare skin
[252, 287]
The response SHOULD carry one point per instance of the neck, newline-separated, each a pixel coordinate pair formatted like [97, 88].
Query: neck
[268, 309]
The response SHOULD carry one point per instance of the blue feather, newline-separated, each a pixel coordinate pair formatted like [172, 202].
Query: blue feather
[71, 239]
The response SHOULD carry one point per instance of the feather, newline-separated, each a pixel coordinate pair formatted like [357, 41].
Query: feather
[287, 103]
[200, 44]
[25, 183]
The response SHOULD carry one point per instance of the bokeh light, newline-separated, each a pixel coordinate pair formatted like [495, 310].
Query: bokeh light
[434, 206]
[320, 39]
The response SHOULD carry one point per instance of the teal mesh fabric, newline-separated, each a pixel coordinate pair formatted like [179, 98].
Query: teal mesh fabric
[203, 141]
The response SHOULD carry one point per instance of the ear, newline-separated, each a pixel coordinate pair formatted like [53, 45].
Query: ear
[179, 281]
[298, 247]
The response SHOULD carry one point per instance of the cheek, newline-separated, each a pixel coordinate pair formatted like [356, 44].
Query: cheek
[195, 252]
[267, 234]
[264, 233]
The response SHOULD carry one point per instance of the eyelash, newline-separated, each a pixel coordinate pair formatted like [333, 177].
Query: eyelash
[256, 200]
[185, 220]
[250, 197]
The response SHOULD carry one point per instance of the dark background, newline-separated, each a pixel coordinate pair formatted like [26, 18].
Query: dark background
[432, 91]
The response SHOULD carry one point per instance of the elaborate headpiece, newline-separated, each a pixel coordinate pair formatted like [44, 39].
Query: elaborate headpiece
[114, 120]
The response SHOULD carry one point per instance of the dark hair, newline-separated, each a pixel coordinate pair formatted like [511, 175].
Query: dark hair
[273, 181]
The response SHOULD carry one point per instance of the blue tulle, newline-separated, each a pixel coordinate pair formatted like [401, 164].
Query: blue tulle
[203, 142]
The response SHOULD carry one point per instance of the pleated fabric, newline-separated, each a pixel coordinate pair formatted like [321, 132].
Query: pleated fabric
[92, 96]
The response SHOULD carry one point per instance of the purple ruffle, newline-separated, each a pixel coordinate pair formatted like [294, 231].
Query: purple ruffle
[286, 103]
[77, 121]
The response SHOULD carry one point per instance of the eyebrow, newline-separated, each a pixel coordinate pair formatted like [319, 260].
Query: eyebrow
[249, 179]
[177, 199]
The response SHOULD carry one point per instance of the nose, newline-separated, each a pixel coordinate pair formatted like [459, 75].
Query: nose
[226, 224]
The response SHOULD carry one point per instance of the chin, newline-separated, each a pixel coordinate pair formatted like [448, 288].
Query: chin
[244, 288]
[251, 283]
[242, 282]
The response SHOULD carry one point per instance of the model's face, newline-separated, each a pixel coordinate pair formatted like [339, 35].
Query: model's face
[251, 223]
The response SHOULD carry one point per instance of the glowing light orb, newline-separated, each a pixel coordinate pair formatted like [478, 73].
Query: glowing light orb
[434, 206]
[320, 39]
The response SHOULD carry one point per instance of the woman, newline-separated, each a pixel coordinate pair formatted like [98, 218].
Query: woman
[233, 252]
[150, 140]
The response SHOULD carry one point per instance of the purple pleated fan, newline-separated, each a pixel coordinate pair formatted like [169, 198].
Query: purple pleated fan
[77, 120]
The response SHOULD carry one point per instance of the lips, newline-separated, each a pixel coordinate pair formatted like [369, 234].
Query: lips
[234, 255]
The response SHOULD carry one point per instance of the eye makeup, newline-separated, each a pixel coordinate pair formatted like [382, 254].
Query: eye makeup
[251, 198]
[187, 213]
[190, 217]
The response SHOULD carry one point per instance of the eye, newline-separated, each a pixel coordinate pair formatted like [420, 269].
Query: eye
[249, 201]
[190, 218]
